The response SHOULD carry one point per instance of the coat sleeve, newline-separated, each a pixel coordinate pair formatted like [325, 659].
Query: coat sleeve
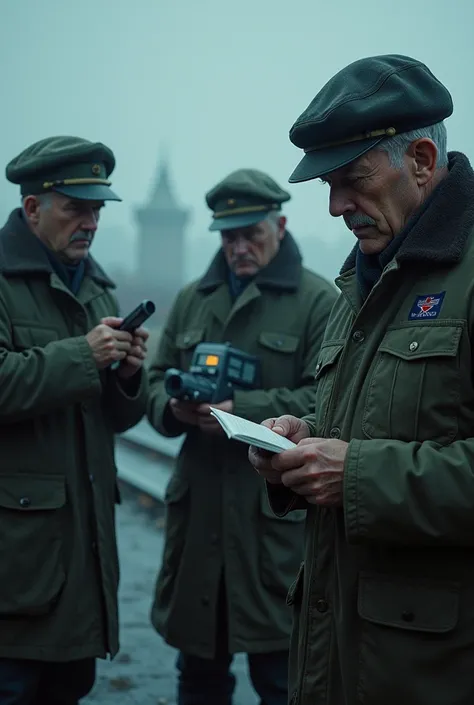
[283, 500]
[41, 379]
[409, 493]
[167, 356]
[260, 404]
[126, 400]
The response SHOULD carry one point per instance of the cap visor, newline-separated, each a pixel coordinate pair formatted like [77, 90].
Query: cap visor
[242, 220]
[89, 192]
[323, 161]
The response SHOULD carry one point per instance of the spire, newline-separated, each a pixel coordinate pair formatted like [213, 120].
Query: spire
[162, 195]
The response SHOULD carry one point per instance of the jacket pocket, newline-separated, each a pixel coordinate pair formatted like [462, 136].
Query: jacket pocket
[32, 571]
[281, 546]
[30, 334]
[186, 342]
[325, 376]
[176, 524]
[279, 356]
[414, 386]
[408, 641]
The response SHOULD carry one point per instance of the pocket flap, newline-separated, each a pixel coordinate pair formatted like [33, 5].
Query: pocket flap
[416, 605]
[279, 341]
[176, 489]
[327, 356]
[295, 591]
[189, 338]
[31, 492]
[429, 340]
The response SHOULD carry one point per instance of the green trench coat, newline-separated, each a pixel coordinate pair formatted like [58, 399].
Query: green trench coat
[218, 516]
[58, 415]
[384, 602]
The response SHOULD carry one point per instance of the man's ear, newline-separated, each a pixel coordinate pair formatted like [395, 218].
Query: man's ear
[281, 227]
[31, 207]
[424, 154]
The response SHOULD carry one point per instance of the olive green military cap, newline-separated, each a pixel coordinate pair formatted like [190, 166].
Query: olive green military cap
[245, 197]
[367, 101]
[72, 166]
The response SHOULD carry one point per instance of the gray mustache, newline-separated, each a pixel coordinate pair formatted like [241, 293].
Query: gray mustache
[357, 220]
[81, 236]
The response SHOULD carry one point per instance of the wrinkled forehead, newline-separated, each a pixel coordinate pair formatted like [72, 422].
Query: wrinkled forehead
[78, 203]
[246, 231]
[362, 166]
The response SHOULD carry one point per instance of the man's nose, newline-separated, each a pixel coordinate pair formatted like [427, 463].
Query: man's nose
[340, 203]
[241, 245]
[90, 221]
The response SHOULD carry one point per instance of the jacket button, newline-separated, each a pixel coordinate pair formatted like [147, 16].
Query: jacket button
[358, 336]
[25, 502]
[413, 346]
[186, 339]
[322, 606]
[335, 432]
[408, 616]
[318, 367]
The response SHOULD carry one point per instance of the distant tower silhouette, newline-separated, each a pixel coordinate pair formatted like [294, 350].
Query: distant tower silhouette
[161, 236]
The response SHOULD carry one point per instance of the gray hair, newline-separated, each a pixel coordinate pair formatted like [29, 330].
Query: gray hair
[273, 218]
[45, 199]
[397, 146]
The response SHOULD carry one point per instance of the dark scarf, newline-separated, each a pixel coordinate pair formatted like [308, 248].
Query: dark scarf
[431, 215]
[70, 274]
[237, 284]
[282, 273]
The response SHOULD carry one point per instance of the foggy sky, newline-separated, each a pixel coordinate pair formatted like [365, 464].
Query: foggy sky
[216, 83]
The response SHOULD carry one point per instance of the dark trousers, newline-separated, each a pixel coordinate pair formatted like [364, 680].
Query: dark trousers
[210, 682]
[24, 682]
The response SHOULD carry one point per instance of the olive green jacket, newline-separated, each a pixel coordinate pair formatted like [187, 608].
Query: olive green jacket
[384, 602]
[218, 517]
[58, 415]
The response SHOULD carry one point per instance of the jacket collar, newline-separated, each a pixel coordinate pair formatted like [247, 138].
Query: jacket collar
[282, 273]
[438, 231]
[21, 253]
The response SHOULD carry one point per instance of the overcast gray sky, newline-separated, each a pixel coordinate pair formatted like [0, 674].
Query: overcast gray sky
[218, 83]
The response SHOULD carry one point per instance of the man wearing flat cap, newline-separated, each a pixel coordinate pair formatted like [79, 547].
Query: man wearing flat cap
[61, 401]
[228, 561]
[384, 602]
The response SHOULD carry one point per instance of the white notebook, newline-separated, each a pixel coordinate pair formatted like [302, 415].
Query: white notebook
[254, 434]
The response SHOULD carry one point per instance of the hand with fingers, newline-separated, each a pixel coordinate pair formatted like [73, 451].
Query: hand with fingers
[314, 469]
[110, 345]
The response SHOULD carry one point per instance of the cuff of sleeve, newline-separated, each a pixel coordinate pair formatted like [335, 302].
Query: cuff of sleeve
[131, 387]
[159, 416]
[353, 507]
[90, 368]
[310, 424]
[282, 500]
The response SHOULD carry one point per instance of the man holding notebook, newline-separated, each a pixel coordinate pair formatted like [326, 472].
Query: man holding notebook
[384, 604]
[228, 561]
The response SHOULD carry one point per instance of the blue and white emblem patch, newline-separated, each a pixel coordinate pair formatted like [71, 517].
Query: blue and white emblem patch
[427, 306]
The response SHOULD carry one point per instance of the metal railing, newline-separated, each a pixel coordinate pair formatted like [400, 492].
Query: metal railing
[145, 459]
